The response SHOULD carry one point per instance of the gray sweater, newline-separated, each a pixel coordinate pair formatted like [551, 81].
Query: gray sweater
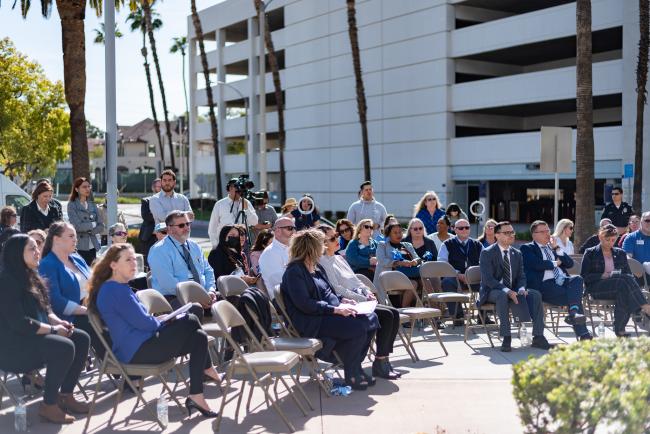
[372, 210]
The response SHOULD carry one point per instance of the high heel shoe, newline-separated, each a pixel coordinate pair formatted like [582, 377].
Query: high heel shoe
[190, 405]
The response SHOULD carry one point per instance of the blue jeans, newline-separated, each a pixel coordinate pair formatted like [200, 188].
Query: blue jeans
[569, 294]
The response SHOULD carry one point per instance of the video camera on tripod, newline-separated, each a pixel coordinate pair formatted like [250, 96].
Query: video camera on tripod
[244, 186]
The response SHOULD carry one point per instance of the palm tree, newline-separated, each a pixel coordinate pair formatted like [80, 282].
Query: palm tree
[179, 45]
[147, 9]
[99, 34]
[208, 90]
[277, 84]
[641, 93]
[585, 192]
[138, 24]
[361, 92]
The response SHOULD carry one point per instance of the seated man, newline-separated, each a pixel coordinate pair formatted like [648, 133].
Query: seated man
[637, 244]
[176, 259]
[545, 265]
[593, 240]
[503, 282]
[275, 257]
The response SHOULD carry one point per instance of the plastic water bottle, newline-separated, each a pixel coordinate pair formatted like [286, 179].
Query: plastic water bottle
[162, 410]
[601, 329]
[20, 416]
[524, 337]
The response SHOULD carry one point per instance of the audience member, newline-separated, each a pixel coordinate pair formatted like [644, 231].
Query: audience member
[230, 210]
[166, 201]
[306, 216]
[289, 205]
[361, 252]
[85, 218]
[562, 236]
[103, 213]
[487, 238]
[396, 254]
[594, 240]
[118, 234]
[424, 247]
[617, 211]
[367, 207]
[545, 265]
[346, 284]
[429, 210]
[7, 224]
[177, 258]
[455, 213]
[38, 235]
[345, 229]
[390, 218]
[160, 231]
[264, 239]
[443, 233]
[274, 259]
[42, 211]
[637, 244]
[227, 258]
[147, 234]
[633, 226]
[31, 335]
[503, 282]
[266, 215]
[608, 276]
[315, 309]
[139, 338]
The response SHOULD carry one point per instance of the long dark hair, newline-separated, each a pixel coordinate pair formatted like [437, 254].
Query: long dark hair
[262, 240]
[15, 270]
[56, 230]
[233, 257]
[102, 272]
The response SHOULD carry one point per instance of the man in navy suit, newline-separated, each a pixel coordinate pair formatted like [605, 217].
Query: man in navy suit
[503, 283]
[545, 266]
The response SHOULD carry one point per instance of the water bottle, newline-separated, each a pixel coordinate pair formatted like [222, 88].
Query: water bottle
[20, 416]
[162, 410]
[601, 329]
[524, 337]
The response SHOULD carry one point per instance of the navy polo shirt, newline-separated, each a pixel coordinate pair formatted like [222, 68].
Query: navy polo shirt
[638, 245]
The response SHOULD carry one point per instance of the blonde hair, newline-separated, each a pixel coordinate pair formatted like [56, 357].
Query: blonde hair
[357, 228]
[421, 204]
[489, 221]
[561, 226]
[307, 246]
[415, 220]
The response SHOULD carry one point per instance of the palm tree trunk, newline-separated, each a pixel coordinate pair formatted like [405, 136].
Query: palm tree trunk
[641, 93]
[72, 14]
[187, 107]
[146, 7]
[361, 92]
[208, 90]
[585, 202]
[277, 84]
[156, 124]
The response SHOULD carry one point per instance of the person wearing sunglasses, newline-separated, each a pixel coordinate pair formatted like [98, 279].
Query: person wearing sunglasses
[118, 234]
[160, 231]
[361, 252]
[274, 259]
[487, 238]
[633, 226]
[637, 244]
[461, 252]
[424, 247]
[176, 258]
[562, 236]
[617, 211]
[345, 229]
[429, 210]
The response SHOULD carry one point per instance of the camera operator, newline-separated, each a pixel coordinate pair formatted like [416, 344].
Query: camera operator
[227, 211]
[266, 214]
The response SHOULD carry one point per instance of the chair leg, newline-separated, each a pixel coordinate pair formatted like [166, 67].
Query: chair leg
[485, 327]
[239, 399]
[223, 399]
[169, 390]
[92, 404]
[278, 410]
[407, 346]
[302, 391]
[315, 369]
[435, 329]
[292, 395]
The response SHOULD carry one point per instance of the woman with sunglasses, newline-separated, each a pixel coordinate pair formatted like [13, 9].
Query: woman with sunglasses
[562, 235]
[487, 238]
[424, 247]
[429, 210]
[607, 276]
[362, 250]
[345, 229]
[118, 234]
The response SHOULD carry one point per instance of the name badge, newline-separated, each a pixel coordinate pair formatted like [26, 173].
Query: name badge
[361, 247]
[640, 242]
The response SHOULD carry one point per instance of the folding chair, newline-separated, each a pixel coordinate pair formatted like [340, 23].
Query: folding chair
[577, 265]
[439, 270]
[262, 367]
[112, 366]
[231, 286]
[398, 282]
[473, 277]
[639, 272]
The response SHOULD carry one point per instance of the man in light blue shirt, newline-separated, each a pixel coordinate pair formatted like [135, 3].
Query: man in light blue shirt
[176, 259]
[166, 201]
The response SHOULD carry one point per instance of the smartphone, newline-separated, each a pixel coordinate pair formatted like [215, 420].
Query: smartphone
[616, 272]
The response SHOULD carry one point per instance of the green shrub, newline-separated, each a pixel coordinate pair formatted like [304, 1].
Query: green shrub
[604, 384]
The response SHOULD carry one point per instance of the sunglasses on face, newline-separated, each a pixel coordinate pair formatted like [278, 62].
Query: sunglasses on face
[182, 225]
[431, 199]
[417, 229]
[646, 220]
[120, 234]
[289, 228]
[332, 239]
[367, 227]
[345, 230]
[462, 228]
[163, 232]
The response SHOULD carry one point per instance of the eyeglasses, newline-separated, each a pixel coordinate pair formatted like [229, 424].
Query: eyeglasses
[616, 194]
[367, 227]
[332, 239]
[417, 229]
[345, 230]
[543, 231]
[507, 232]
[431, 199]
[462, 228]
[570, 228]
[646, 220]
[120, 234]
[289, 228]
[163, 232]
[182, 225]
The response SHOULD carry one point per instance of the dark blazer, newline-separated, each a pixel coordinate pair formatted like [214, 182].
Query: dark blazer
[589, 243]
[304, 302]
[62, 283]
[492, 271]
[593, 264]
[535, 264]
[148, 222]
[32, 218]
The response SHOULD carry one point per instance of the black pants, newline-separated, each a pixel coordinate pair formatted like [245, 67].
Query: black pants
[81, 322]
[180, 337]
[196, 309]
[64, 358]
[388, 328]
[369, 273]
[88, 255]
[627, 294]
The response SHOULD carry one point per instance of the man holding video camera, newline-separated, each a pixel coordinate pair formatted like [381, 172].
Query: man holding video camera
[232, 209]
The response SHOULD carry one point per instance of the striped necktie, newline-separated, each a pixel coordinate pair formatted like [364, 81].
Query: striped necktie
[557, 273]
[507, 277]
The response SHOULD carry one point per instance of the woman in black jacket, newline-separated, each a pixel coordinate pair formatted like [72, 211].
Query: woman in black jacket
[227, 258]
[32, 336]
[607, 276]
[42, 211]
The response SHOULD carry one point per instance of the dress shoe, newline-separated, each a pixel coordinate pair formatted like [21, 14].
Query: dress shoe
[541, 343]
[575, 318]
[390, 366]
[52, 413]
[459, 322]
[191, 405]
[381, 369]
[506, 346]
[69, 404]
[586, 337]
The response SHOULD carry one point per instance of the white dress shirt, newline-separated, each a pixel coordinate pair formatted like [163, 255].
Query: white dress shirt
[226, 212]
[509, 250]
[273, 262]
[549, 274]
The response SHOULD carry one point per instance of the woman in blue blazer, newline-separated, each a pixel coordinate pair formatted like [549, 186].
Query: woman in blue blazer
[607, 276]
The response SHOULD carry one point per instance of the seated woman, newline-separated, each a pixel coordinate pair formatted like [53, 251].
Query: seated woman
[362, 250]
[607, 276]
[346, 284]
[263, 240]
[379, 236]
[395, 254]
[31, 335]
[345, 229]
[562, 234]
[315, 309]
[424, 247]
[66, 275]
[227, 257]
[39, 236]
[118, 234]
[487, 238]
[139, 337]
[306, 215]
[443, 233]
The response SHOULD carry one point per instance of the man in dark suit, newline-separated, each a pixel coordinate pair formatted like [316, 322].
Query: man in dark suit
[147, 236]
[503, 283]
[545, 265]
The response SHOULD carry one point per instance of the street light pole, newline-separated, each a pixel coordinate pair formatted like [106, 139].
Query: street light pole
[111, 122]
[246, 136]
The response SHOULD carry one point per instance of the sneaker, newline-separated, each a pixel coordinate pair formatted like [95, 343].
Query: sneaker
[575, 318]
[541, 343]
[506, 346]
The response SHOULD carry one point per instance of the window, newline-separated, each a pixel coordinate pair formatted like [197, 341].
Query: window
[16, 201]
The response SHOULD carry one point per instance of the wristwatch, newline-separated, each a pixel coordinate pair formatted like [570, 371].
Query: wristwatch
[52, 330]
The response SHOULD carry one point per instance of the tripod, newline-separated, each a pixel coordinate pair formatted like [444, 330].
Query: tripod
[244, 220]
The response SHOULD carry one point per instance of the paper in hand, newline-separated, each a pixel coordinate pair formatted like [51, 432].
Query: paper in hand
[181, 310]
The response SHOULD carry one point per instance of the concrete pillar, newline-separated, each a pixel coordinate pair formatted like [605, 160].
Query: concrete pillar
[254, 145]
[221, 104]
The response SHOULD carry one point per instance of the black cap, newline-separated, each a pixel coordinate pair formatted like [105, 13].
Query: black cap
[232, 181]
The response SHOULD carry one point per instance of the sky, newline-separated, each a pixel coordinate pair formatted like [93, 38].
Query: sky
[40, 40]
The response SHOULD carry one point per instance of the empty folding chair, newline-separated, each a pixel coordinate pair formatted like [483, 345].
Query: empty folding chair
[473, 277]
[231, 286]
[440, 270]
